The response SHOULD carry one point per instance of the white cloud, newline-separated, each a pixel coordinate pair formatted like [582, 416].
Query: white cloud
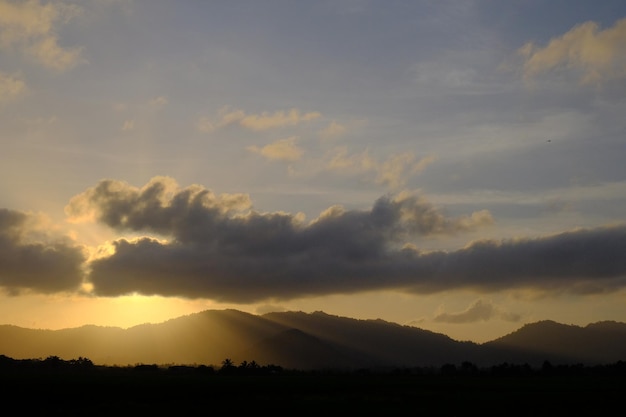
[31, 27]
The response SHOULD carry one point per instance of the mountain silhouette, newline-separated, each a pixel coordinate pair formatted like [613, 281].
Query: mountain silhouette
[317, 340]
[597, 343]
[296, 349]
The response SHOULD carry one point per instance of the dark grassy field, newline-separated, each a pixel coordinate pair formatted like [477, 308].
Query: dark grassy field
[151, 390]
[315, 395]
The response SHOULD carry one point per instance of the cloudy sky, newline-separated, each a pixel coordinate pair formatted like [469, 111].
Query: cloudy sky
[453, 165]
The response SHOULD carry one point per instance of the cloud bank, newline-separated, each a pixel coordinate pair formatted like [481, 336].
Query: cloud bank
[29, 260]
[217, 246]
[197, 244]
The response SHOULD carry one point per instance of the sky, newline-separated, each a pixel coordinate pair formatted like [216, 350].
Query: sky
[457, 166]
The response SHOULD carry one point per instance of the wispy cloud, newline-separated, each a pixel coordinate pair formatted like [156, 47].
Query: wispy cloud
[228, 116]
[32, 27]
[159, 101]
[594, 55]
[11, 87]
[283, 149]
[479, 310]
[128, 125]
[333, 130]
[277, 119]
[392, 172]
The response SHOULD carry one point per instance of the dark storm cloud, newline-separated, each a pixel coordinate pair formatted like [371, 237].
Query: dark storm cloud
[29, 261]
[219, 248]
[581, 261]
[195, 215]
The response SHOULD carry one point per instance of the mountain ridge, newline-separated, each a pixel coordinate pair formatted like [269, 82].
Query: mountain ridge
[295, 339]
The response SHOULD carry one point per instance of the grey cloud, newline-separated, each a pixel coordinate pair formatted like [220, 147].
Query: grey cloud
[40, 266]
[581, 261]
[196, 215]
[220, 248]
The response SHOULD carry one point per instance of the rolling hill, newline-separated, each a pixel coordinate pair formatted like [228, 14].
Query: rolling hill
[316, 340]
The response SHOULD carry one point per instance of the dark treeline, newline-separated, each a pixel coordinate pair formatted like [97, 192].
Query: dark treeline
[54, 386]
[228, 367]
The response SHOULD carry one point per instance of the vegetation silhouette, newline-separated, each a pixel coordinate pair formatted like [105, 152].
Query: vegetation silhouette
[57, 386]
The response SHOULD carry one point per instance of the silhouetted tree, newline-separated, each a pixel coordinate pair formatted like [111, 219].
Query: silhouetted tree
[253, 365]
[469, 368]
[547, 367]
[53, 362]
[205, 369]
[144, 367]
[448, 369]
[81, 362]
[227, 366]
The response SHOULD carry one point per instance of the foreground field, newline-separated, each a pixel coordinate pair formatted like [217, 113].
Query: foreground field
[143, 390]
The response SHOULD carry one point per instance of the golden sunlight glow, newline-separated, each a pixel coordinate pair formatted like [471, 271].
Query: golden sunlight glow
[59, 312]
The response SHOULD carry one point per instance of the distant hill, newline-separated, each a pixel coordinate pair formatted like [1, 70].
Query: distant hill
[596, 343]
[298, 340]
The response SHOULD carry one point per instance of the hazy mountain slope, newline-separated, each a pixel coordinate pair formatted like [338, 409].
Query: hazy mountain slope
[386, 343]
[21, 343]
[203, 338]
[317, 340]
[207, 337]
[603, 342]
[296, 349]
